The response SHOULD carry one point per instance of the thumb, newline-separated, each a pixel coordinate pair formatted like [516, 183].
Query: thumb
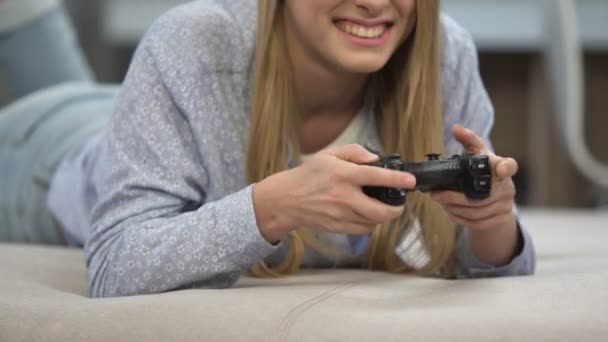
[353, 153]
[506, 167]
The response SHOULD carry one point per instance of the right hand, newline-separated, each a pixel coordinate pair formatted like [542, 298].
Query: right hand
[325, 193]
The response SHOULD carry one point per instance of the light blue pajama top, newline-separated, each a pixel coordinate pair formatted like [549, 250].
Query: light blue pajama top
[161, 196]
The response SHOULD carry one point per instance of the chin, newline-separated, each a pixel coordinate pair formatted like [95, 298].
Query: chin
[364, 64]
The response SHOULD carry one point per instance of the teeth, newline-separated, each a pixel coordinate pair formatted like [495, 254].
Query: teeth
[360, 30]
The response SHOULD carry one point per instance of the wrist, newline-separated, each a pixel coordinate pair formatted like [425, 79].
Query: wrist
[496, 232]
[495, 246]
[271, 218]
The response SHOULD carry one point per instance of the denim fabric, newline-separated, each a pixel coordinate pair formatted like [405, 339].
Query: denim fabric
[41, 53]
[35, 134]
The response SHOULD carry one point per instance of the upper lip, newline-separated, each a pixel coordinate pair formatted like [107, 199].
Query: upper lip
[368, 23]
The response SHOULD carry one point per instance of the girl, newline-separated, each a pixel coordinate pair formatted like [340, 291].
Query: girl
[236, 143]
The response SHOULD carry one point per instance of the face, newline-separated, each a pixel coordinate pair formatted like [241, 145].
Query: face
[357, 36]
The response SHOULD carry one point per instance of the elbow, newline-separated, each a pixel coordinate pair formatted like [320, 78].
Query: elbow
[103, 281]
[108, 276]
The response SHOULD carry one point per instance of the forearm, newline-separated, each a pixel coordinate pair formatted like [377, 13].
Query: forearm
[205, 248]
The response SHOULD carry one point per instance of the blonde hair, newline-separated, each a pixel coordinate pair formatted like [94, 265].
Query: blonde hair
[408, 117]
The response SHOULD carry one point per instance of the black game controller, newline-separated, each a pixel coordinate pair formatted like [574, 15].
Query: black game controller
[468, 173]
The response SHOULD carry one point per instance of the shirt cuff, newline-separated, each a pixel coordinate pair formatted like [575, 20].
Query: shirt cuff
[257, 247]
[524, 262]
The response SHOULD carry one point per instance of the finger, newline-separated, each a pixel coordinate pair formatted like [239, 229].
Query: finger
[362, 214]
[366, 226]
[353, 228]
[506, 168]
[481, 213]
[364, 175]
[494, 162]
[482, 224]
[356, 206]
[375, 211]
[502, 190]
[353, 153]
[471, 142]
[448, 197]
[349, 227]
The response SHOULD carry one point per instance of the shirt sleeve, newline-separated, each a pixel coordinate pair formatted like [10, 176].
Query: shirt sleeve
[469, 266]
[466, 101]
[153, 230]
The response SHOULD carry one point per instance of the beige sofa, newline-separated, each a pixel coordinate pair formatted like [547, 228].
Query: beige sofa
[43, 298]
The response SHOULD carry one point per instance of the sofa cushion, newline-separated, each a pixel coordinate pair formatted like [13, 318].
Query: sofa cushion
[43, 298]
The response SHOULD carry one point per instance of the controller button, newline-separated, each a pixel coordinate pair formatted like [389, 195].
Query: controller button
[433, 156]
[396, 193]
[483, 183]
[479, 165]
[392, 156]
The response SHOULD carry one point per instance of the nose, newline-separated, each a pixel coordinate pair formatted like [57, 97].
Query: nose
[372, 7]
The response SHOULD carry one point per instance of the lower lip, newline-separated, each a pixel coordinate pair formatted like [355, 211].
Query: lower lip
[367, 42]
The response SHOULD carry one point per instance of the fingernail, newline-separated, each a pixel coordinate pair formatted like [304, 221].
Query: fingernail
[410, 180]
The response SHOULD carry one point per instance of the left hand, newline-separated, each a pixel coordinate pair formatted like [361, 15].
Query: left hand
[490, 213]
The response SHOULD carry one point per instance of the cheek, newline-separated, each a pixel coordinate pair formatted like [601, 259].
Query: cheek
[407, 8]
[408, 11]
[309, 12]
[310, 17]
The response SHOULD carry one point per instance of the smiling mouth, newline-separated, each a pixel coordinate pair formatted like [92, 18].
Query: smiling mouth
[362, 31]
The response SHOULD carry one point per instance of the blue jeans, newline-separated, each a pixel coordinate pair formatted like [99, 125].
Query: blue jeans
[58, 109]
[41, 53]
[35, 134]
